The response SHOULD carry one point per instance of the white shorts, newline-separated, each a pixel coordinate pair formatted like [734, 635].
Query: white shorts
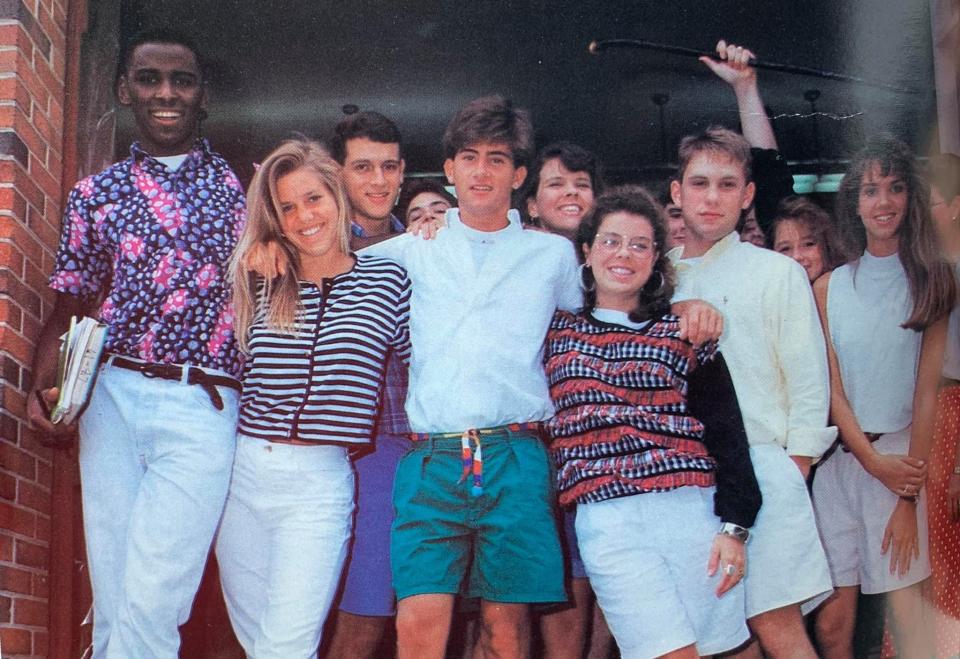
[786, 564]
[853, 509]
[646, 556]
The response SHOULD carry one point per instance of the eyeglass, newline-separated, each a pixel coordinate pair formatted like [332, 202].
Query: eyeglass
[611, 242]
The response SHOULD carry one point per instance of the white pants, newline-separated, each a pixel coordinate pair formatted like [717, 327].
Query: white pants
[155, 459]
[282, 543]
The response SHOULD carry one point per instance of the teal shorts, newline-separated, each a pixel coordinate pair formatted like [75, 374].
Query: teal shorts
[500, 545]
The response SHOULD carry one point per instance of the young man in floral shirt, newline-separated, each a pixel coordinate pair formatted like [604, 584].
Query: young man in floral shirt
[147, 241]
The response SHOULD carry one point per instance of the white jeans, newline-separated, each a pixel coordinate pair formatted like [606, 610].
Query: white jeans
[282, 543]
[155, 459]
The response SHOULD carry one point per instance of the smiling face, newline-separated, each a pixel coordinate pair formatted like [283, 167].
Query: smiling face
[562, 198]
[309, 216]
[427, 206]
[794, 239]
[621, 259]
[372, 174]
[713, 192]
[882, 205]
[485, 177]
[164, 89]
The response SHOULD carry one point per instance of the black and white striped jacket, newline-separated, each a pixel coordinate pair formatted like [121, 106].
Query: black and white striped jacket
[323, 382]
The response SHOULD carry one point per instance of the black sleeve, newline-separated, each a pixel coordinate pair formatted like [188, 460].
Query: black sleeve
[712, 399]
[772, 177]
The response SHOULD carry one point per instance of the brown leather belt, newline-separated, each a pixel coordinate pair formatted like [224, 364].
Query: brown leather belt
[207, 381]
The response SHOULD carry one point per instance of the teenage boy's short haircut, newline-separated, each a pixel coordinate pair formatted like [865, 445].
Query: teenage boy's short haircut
[158, 35]
[371, 125]
[491, 119]
[715, 140]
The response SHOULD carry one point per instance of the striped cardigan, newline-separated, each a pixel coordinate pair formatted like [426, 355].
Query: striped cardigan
[322, 383]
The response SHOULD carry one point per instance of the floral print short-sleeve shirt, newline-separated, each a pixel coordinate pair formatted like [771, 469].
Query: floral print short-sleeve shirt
[153, 244]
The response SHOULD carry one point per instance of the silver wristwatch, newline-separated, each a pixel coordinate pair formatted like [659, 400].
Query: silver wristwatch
[735, 531]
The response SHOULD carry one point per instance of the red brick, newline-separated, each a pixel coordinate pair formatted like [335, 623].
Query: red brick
[29, 612]
[41, 585]
[5, 606]
[8, 60]
[33, 277]
[13, 89]
[14, 401]
[42, 535]
[34, 497]
[17, 461]
[47, 183]
[45, 472]
[7, 112]
[47, 232]
[55, 111]
[31, 554]
[15, 641]
[14, 580]
[51, 134]
[15, 34]
[27, 299]
[8, 487]
[11, 229]
[6, 549]
[31, 324]
[13, 201]
[34, 84]
[41, 67]
[41, 643]
[26, 132]
[10, 257]
[27, 185]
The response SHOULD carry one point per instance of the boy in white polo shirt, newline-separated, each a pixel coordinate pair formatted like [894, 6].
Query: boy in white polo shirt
[774, 347]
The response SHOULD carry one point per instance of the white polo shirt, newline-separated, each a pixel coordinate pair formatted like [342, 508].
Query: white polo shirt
[477, 332]
[772, 341]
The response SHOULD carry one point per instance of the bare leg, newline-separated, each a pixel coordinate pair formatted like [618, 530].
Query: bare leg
[835, 621]
[356, 637]
[910, 619]
[601, 640]
[781, 633]
[423, 625]
[505, 630]
[686, 652]
[564, 630]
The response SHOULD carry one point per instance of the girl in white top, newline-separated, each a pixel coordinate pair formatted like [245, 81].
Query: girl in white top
[885, 318]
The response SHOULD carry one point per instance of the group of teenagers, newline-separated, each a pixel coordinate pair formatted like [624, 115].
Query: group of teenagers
[597, 397]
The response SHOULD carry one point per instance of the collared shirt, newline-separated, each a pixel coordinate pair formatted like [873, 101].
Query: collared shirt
[478, 333]
[322, 382]
[396, 226]
[153, 244]
[392, 418]
[772, 341]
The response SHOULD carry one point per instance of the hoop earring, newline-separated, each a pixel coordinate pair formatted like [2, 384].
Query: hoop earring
[582, 280]
[660, 284]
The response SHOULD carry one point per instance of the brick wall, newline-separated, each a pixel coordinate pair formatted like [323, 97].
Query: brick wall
[33, 44]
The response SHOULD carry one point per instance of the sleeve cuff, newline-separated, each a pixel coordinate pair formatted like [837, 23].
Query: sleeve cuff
[810, 442]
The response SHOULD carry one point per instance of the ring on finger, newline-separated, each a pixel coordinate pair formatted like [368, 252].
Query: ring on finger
[729, 569]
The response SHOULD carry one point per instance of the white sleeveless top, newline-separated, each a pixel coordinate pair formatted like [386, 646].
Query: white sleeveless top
[867, 300]
[951, 354]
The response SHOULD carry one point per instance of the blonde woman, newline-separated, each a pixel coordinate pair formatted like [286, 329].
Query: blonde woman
[316, 338]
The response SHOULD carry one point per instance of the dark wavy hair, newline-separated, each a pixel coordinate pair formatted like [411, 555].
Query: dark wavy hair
[653, 300]
[931, 280]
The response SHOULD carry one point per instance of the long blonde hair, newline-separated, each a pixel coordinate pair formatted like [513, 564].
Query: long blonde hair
[280, 296]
